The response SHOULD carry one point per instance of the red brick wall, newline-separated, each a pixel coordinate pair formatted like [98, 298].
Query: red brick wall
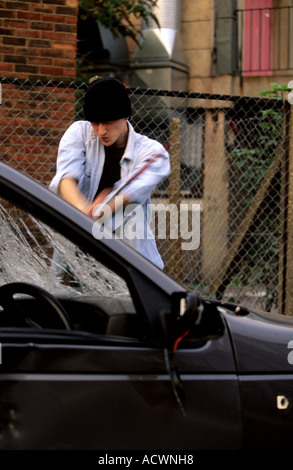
[38, 39]
[32, 121]
[37, 42]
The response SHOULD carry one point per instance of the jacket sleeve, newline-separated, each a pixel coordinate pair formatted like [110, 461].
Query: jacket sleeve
[143, 185]
[71, 156]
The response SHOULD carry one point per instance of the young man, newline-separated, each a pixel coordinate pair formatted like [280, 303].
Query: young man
[97, 154]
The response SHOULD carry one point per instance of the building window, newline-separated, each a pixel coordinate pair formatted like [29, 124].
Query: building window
[265, 38]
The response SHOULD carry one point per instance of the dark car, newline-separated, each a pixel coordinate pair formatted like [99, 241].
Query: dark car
[102, 350]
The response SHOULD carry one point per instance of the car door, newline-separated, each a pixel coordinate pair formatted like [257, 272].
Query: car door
[63, 391]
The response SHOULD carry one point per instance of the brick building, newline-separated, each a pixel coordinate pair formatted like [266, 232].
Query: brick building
[38, 39]
[37, 42]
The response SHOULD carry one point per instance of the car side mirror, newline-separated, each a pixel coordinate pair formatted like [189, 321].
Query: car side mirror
[186, 313]
[193, 319]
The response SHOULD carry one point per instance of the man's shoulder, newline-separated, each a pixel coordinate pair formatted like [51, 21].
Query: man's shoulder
[78, 129]
[81, 124]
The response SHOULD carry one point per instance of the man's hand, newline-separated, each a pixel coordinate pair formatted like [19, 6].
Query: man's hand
[99, 200]
[114, 204]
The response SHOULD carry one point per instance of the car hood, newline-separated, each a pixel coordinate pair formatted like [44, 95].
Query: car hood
[261, 341]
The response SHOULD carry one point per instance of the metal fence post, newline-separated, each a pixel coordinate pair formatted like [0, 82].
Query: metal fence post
[174, 250]
[289, 251]
[283, 211]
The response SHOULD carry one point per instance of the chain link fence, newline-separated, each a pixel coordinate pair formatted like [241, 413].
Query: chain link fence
[230, 164]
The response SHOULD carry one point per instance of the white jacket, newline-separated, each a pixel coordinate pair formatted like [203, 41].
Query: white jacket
[81, 156]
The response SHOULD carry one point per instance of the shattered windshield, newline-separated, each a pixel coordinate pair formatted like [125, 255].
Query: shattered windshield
[30, 251]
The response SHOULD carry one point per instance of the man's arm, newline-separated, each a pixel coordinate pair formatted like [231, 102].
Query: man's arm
[68, 189]
[119, 201]
[152, 167]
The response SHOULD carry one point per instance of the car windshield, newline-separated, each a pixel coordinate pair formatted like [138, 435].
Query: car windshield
[31, 251]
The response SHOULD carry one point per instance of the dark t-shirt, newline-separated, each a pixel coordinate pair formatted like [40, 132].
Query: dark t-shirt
[111, 170]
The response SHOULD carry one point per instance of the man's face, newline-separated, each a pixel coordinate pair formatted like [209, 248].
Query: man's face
[112, 132]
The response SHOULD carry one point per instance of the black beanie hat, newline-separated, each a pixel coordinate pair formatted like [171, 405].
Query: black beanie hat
[106, 99]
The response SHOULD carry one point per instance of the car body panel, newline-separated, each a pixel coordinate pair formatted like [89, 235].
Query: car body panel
[122, 397]
[37, 412]
[261, 342]
[267, 411]
[265, 378]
